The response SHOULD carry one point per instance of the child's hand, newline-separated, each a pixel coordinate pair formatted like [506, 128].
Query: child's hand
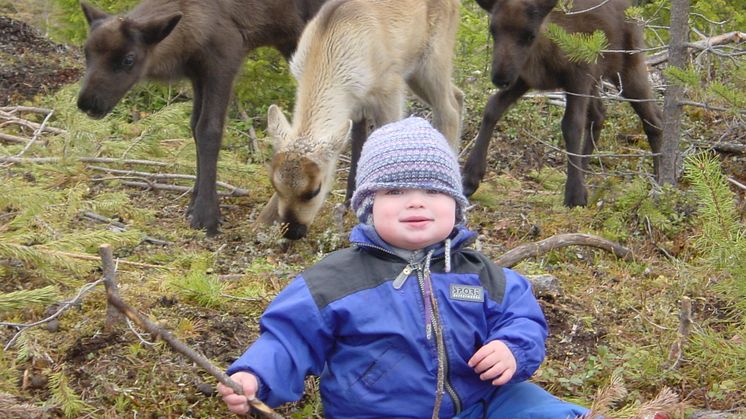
[239, 404]
[495, 362]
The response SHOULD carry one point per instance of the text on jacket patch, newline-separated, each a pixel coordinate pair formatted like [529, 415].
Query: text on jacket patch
[467, 293]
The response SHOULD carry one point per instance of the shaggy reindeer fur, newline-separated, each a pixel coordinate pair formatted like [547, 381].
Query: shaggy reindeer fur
[353, 62]
[524, 58]
[204, 41]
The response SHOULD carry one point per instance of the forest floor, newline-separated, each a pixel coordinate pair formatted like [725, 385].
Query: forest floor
[609, 317]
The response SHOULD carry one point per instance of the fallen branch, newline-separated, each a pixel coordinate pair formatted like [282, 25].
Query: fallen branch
[112, 296]
[84, 256]
[44, 160]
[120, 226]
[724, 147]
[14, 109]
[165, 187]
[235, 191]
[37, 133]
[525, 251]
[737, 183]
[705, 44]
[13, 139]
[29, 124]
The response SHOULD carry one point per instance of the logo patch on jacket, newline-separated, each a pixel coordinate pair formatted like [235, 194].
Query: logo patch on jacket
[467, 293]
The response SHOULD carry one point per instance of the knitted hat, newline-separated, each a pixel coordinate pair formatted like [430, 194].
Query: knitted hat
[407, 154]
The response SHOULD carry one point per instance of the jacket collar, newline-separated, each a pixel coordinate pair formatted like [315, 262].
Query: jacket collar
[365, 235]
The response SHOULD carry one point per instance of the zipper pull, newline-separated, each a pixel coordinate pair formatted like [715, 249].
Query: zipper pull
[402, 277]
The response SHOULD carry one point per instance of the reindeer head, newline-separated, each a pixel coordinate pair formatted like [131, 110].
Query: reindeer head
[515, 26]
[302, 172]
[116, 54]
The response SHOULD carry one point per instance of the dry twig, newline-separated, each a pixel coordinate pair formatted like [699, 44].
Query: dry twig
[234, 190]
[514, 256]
[62, 307]
[112, 296]
[676, 354]
[88, 215]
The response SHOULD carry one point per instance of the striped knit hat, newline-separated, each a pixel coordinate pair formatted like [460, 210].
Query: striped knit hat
[408, 154]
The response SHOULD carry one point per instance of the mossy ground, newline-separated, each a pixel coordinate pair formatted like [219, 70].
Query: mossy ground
[613, 318]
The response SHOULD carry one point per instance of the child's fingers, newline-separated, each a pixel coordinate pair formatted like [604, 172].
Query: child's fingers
[236, 404]
[478, 356]
[493, 372]
[504, 377]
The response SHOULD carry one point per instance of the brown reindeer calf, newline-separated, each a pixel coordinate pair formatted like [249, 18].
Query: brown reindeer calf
[525, 58]
[204, 41]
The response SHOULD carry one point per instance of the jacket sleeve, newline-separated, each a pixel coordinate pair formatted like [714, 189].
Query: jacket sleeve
[519, 322]
[293, 343]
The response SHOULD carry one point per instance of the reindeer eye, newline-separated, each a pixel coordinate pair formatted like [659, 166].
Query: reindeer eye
[527, 38]
[310, 195]
[128, 60]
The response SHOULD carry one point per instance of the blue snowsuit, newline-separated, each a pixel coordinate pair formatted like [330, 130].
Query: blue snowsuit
[387, 334]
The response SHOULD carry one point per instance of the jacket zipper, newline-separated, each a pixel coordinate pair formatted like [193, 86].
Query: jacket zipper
[397, 284]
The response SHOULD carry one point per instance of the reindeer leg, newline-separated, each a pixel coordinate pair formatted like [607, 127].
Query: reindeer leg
[433, 85]
[476, 163]
[573, 123]
[594, 122]
[208, 133]
[635, 85]
[198, 93]
[359, 135]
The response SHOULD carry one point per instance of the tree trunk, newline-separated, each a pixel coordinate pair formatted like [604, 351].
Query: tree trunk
[670, 161]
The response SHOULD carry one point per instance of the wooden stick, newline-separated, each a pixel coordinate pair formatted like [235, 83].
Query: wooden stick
[84, 256]
[676, 353]
[13, 109]
[13, 139]
[43, 160]
[88, 215]
[705, 44]
[235, 191]
[112, 296]
[514, 256]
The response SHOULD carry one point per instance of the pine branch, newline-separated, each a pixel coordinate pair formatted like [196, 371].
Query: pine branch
[24, 298]
[579, 47]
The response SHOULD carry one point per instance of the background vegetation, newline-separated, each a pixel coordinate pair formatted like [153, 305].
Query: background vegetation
[616, 324]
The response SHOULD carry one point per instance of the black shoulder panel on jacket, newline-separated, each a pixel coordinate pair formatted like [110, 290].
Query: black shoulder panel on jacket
[491, 276]
[345, 272]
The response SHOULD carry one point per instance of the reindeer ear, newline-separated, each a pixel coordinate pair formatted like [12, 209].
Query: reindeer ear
[92, 14]
[486, 4]
[155, 30]
[339, 139]
[277, 125]
[546, 6]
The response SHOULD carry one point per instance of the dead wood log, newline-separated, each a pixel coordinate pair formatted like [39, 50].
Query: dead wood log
[705, 44]
[514, 256]
[113, 298]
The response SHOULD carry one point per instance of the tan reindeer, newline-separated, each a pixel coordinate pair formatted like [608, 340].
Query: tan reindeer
[353, 62]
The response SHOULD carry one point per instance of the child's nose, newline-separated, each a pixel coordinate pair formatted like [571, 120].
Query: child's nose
[416, 199]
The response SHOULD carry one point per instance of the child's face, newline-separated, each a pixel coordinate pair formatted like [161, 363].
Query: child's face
[413, 218]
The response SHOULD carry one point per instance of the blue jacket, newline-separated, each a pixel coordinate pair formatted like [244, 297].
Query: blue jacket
[350, 321]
